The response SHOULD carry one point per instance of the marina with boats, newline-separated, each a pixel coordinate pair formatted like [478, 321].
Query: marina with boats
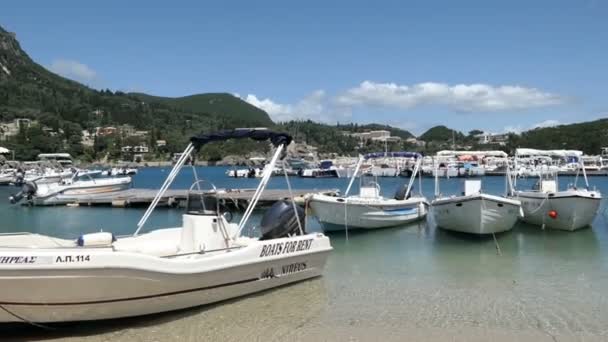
[207, 255]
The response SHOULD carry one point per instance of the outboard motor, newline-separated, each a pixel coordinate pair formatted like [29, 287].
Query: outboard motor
[401, 192]
[281, 221]
[27, 190]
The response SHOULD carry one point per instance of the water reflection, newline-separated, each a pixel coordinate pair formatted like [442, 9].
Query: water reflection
[415, 273]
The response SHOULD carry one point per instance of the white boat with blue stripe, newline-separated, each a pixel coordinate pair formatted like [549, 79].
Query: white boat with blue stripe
[369, 209]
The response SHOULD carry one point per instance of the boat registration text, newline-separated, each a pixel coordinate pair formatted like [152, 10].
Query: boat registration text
[285, 247]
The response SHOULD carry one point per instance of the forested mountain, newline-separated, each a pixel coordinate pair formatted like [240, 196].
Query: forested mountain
[397, 132]
[589, 137]
[441, 134]
[28, 90]
[65, 108]
[220, 104]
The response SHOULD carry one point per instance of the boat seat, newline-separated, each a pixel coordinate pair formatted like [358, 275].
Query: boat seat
[156, 243]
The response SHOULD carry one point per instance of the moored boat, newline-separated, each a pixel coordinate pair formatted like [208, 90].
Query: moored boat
[475, 212]
[548, 206]
[369, 209]
[206, 260]
[46, 193]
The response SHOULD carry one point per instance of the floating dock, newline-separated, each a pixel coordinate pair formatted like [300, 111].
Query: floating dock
[232, 198]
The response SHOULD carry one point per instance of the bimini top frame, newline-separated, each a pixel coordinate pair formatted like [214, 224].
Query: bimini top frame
[278, 139]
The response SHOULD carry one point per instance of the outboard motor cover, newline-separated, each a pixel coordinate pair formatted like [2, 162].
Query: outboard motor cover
[28, 189]
[400, 193]
[280, 220]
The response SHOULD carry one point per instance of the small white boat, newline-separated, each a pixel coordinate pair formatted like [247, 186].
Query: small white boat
[369, 210]
[46, 193]
[244, 173]
[205, 260]
[569, 209]
[119, 171]
[7, 176]
[475, 212]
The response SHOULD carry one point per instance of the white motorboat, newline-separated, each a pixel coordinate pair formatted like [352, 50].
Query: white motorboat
[45, 193]
[475, 212]
[119, 171]
[369, 210]
[548, 206]
[244, 173]
[327, 169]
[7, 176]
[206, 260]
[44, 175]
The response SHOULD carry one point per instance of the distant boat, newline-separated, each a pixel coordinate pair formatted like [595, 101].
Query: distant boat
[45, 193]
[547, 206]
[369, 209]
[326, 169]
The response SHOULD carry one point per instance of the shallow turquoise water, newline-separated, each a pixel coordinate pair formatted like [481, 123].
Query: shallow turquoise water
[415, 275]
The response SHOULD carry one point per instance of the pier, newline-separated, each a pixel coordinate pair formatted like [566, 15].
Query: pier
[233, 198]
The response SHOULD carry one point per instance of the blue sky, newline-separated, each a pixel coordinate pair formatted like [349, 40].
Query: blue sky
[490, 65]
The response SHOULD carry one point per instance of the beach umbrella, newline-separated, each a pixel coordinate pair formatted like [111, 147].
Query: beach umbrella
[4, 150]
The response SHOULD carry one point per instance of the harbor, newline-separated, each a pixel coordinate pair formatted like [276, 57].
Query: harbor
[448, 281]
[176, 198]
[239, 172]
[301, 223]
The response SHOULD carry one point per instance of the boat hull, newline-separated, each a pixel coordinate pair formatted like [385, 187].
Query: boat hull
[335, 215]
[478, 214]
[58, 195]
[575, 209]
[63, 294]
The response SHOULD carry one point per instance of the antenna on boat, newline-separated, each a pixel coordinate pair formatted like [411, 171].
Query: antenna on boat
[293, 203]
[352, 179]
[258, 192]
[180, 162]
[413, 178]
[582, 166]
[437, 180]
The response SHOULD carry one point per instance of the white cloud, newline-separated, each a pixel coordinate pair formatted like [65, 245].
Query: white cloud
[313, 107]
[519, 128]
[73, 70]
[546, 123]
[460, 97]
[514, 129]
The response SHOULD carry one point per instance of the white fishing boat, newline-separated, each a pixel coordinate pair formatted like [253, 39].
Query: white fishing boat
[548, 206]
[119, 171]
[244, 173]
[205, 260]
[369, 209]
[474, 212]
[45, 193]
[7, 176]
[43, 174]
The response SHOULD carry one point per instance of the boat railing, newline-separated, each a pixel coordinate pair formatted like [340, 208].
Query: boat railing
[225, 249]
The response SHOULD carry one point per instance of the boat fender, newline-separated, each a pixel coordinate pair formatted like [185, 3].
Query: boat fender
[96, 239]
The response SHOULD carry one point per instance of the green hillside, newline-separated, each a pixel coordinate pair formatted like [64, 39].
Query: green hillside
[397, 132]
[589, 137]
[219, 104]
[441, 134]
[64, 108]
